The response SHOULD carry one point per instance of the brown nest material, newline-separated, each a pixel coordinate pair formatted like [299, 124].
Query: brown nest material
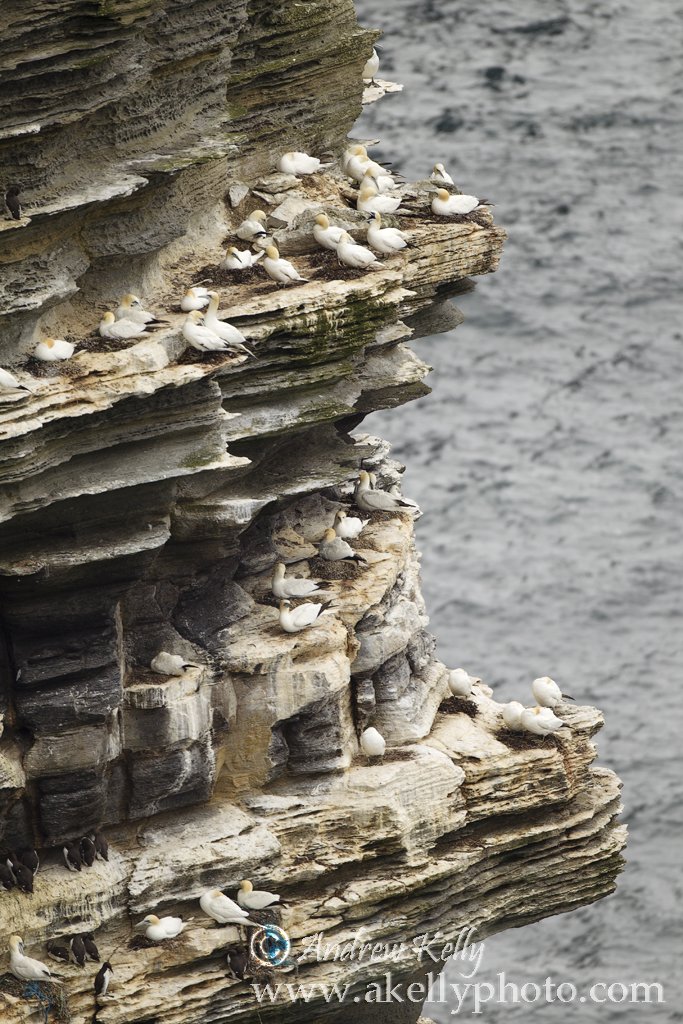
[336, 271]
[323, 570]
[378, 516]
[224, 278]
[524, 740]
[191, 356]
[96, 343]
[51, 998]
[399, 755]
[459, 705]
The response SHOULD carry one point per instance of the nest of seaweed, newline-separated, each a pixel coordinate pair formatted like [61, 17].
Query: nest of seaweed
[51, 998]
[524, 740]
[323, 570]
[459, 705]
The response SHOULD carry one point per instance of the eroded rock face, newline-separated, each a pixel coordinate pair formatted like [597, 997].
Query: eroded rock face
[145, 497]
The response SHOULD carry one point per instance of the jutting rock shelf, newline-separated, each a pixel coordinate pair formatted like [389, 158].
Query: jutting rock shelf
[145, 495]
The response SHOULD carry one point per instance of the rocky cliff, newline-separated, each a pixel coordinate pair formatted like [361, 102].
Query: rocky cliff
[145, 494]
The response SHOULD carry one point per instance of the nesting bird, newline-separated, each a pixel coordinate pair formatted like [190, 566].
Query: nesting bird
[60, 954]
[353, 255]
[77, 950]
[131, 308]
[169, 664]
[327, 235]
[8, 382]
[280, 270]
[194, 298]
[348, 527]
[239, 259]
[372, 743]
[88, 851]
[222, 909]
[298, 163]
[198, 335]
[25, 968]
[234, 339]
[294, 620]
[101, 845]
[369, 201]
[72, 856]
[439, 173]
[335, 549]
[121, 330]
[446, 205]
[52, 350]
[91, 950]
[370, 500]
[7, 878]
[371, 67]
[238, 961]
[384, 240]
[540, 721]
[255, 899]
[159, 929]
[284, 587]
[547, 693]
[253, 225]
[460, 682]
[512, 715]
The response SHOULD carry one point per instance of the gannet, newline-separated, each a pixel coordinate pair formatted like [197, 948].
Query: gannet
[194, 298]
[8, 382]
[353, 255]
[326, 234]
[51, 350]
[540, 721]
[371, 67]
[255, 899]
[77, 950]
[131, 308]
[222, 909]
[460, 682]
[370, 500]
[512, 715]
[446, 205]
[88, 851]
[261, 241]
[12, 204]
[169, 664]
[101, 845]
[72, 856]
[253, 225]
[298, 163]
[239, 259]
[121, 330]
[293, 620]
[547, 693]
[377, 179]
[24, 967]
[439, 173]
[335, 549]
[369, 202]
[280, 270]
[355, 162]
[159, 929]
[199, 336]
[103, 979]
[386, 240]
[289, 586]
[91, 950]
[233, 338]
[372, 743]
[348, 527]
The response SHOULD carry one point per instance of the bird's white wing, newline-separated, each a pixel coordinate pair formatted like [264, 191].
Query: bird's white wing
[305, 614]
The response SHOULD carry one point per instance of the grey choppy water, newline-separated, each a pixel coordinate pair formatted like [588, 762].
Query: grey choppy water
[548, 456]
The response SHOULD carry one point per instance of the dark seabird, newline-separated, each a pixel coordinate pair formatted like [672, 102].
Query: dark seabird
[7, 879]
[237, 963]
[72, 857]
[91, 950]
[12, 204]
[77, 947]
[58, 953]
[88, 851]
[30, 859]
[102, 979]
[101, 845]
[24, 877]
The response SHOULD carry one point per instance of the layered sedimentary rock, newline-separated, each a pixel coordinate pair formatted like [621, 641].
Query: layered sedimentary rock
[146, 493]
